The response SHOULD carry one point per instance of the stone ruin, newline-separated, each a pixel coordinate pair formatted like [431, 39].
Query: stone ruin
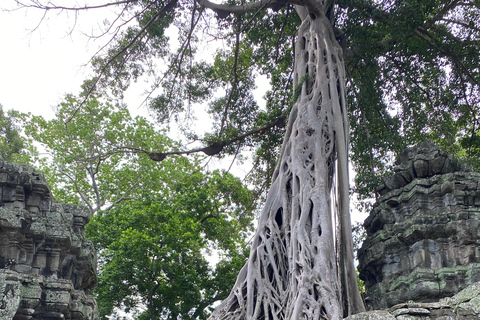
[423, 235]
[47, 268]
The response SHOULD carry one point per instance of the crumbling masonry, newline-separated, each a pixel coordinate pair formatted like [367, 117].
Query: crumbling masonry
[47, 268]
[423, 235]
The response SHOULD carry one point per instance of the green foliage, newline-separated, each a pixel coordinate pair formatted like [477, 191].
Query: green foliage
[12, 142]
[415, 76]
[413, 70]
[358, 234]
[153, 251]
[91, 152]
[360, 283]
[156, 222]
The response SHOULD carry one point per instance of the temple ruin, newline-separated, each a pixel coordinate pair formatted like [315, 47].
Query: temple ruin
[423, 235]
[47, 268]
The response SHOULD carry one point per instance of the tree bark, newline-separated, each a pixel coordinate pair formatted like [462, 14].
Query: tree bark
[292, 271]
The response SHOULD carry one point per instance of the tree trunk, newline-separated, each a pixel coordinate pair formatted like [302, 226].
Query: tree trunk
[292, 271]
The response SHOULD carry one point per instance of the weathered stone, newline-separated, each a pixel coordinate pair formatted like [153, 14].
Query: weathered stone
[47, 268]
[372, 315]
[421, 168]
[411, 311]
[423, 237]
[465, 305]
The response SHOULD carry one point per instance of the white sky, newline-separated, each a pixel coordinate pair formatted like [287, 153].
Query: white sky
[38, 66]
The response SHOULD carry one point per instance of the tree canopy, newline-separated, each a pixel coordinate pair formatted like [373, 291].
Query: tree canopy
[90, 159]
[12, 142]
[155, 224]
[154, 251]
[412, 71]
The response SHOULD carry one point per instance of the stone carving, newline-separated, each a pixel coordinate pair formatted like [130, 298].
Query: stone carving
[463, 306]
[423, 235]
[47, 268]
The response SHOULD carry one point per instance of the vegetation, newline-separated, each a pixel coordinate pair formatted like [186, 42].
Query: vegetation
[402, 70]
[154, 251]
[155, 223]
[12, 142]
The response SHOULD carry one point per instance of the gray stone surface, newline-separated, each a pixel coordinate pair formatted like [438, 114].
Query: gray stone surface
[47, 268]
[463, 306]
[423, 235]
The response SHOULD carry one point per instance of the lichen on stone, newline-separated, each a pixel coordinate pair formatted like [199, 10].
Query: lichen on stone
[47, 267]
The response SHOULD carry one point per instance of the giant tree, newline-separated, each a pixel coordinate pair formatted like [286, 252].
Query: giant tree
[401, 69]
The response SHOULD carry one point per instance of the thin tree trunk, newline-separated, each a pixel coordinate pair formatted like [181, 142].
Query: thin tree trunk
[292, 271]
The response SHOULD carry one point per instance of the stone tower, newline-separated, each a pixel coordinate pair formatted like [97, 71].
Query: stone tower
[47, 268]
[423, 235]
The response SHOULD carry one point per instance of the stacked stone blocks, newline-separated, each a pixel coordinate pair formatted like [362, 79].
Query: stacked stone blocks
[47, 268]
[423, 235]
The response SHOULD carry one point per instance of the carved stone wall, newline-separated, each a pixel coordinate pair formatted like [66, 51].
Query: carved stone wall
[423, 235]
[47, 268]
[465, 305]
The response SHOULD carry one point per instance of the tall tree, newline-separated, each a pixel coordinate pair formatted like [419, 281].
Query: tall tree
[413, 71]
[154, 222]
[153, 251]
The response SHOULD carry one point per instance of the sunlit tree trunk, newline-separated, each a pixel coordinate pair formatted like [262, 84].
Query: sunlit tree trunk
[293, 271]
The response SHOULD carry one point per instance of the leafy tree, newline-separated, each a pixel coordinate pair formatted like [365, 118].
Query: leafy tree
[153, 250]
[90, 158]
[12, 143]
[403, 71]
[155, 221]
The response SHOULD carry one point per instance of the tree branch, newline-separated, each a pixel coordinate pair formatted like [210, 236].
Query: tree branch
[38, 5]
[168, 6]
[124, 196]
[422, 34]
[217, 146]
[74, 181]
[224, 10]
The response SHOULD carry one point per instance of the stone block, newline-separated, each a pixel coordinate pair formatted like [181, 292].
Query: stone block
[436, 165]
[9, 194]
[421, 168]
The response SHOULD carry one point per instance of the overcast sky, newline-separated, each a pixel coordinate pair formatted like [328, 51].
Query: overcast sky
[38, 66]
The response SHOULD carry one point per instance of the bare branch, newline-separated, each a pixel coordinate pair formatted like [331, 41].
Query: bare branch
[38, 5]
[235, 78]
[74, 181]
[169, 6]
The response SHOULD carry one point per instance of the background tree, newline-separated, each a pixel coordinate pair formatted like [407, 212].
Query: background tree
[154, 222]
[12, 142]
[89, 158]
[412, 72]
[153, 251]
